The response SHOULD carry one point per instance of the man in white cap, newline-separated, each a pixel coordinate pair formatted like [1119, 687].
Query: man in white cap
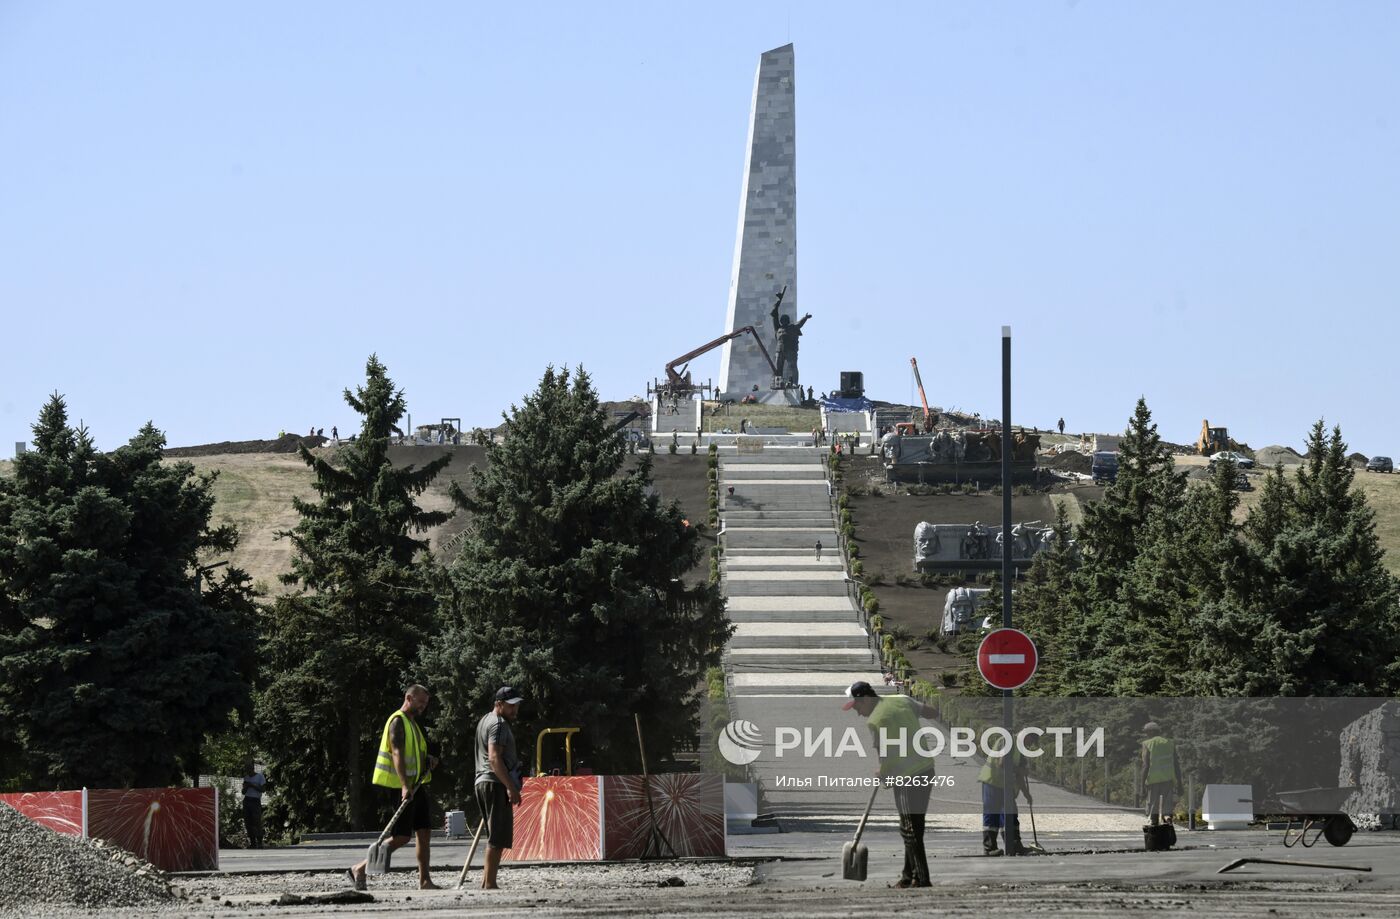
[902, 767]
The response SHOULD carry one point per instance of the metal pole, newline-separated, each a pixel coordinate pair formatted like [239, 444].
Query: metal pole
[1191, 802]
[1010, 779]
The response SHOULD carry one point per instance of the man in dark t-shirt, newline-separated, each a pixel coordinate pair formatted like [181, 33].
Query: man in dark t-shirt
[498, 779]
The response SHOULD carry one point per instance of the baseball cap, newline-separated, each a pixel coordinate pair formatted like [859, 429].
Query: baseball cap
[1151, 727]
[509, 695]
[858, 690]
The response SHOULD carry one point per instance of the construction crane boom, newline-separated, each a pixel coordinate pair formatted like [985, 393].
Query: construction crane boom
[678, 378]
[928, 413]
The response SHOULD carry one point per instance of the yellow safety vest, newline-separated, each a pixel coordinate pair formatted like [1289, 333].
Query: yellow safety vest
[1161, 761]
[994, 769]
[415, 754]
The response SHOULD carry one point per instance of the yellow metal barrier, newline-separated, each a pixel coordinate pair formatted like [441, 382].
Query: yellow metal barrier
[568, 749]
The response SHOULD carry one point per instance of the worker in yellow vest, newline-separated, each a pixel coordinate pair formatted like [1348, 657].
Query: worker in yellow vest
[994, 789]
[1161, 772]
[404, 767]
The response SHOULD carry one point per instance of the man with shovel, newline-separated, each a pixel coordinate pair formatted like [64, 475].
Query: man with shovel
[893, 721]
[498, 779]
[1000, 786]
[404, 767]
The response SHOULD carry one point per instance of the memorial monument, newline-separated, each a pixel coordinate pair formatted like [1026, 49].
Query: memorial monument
[765, 253]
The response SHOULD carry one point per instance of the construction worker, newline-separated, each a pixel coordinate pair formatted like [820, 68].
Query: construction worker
[994, 801]
[404, 767]
[1161, 772]
[902, 767]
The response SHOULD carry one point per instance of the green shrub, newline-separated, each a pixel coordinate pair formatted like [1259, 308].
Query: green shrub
[857, 568]
[845, 517]
[949, 677]
[887, 644]
[843, 502]
[853, 550]
[877, 624]
[872, 605]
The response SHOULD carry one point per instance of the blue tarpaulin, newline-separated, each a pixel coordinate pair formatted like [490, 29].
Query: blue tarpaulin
[847, 405]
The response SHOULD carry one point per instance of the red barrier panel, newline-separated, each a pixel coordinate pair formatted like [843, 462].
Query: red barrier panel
[175, 829]
[588, 818]
[689, 810]
[60, 811]
[557, 820]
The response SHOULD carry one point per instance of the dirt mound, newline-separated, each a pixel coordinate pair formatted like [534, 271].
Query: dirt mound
[287, 443]
[38, 865]
[1070, 461]
[1359, 459]
[1274, 455]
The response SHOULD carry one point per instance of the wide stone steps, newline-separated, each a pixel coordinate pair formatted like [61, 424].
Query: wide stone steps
[799, 635]
[797, 632]
[785, 564]
[779, 537]
[791, 457]
[793, 590]
[810, 683]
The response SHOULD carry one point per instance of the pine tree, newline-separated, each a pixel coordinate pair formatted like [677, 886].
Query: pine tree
[1045, 603]
[569, 586]
[1308, 606]
[113, 662]
[338, 653]
[1136, 509]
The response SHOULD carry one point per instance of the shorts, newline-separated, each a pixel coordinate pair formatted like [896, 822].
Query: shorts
[415, 817]
[498, 813]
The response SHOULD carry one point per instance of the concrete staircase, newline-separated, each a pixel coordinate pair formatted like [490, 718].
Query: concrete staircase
[798, 641]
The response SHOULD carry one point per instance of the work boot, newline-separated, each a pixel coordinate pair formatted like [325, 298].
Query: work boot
[1013, 840]
[989, 842]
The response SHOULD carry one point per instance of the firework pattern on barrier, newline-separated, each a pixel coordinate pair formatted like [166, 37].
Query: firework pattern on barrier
[557, 820]
[60, 811]
[689, 812]
[174, 829]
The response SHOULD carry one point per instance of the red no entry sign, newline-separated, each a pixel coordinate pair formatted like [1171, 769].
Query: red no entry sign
[1007, 658]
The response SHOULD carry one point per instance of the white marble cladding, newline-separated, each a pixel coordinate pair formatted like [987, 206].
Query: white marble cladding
[765, 253]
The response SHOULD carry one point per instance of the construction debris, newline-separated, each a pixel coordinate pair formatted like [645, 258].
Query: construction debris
[38, 865]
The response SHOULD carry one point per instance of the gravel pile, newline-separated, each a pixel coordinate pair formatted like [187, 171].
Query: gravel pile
[1070, 461]
[39, 866]
[1273, 455]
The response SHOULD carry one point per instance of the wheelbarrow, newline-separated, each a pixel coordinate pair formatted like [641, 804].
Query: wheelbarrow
[1322, 815]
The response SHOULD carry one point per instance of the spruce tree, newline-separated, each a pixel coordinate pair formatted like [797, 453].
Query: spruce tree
[114, 662]
[337, 653]
[570, 586]
[1308, 607]
[1136, 509]
[1045, 602]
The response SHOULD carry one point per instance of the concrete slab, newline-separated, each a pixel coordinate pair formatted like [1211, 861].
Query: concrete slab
[826, 629]
[814, 575]
[779, 604]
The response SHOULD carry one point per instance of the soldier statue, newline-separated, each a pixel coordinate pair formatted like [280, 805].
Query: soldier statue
[787, 332]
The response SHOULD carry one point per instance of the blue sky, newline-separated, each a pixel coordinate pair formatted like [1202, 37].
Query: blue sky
[210, 214]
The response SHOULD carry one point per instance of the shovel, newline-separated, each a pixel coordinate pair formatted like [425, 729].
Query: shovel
[1036, 847]
[854, 855]
[467, 866]
[377, 858]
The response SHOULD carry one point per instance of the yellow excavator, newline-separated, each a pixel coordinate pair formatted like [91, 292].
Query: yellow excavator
[1213, 440]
